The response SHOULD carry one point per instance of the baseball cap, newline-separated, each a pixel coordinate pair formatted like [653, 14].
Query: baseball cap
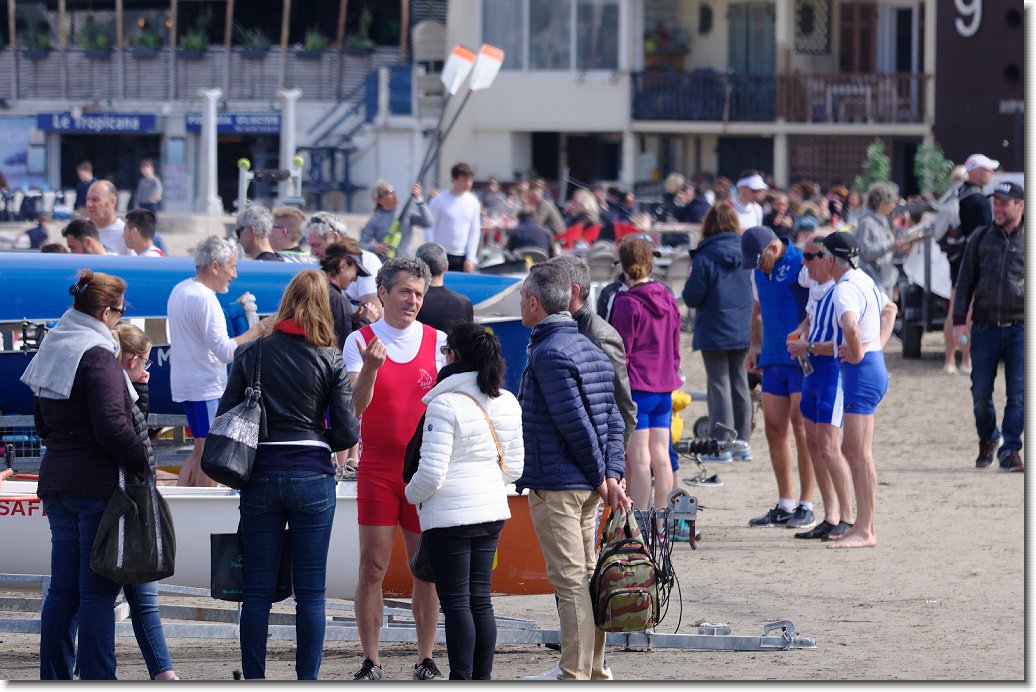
[355, 258]
[753, 242]
[752, 182]
[1009, 190]
[841, 244]
[980, 161]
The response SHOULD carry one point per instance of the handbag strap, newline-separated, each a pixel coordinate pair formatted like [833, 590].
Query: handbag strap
[257, 372]
[492, 430]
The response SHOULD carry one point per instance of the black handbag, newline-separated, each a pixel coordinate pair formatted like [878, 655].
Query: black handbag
[227, 576]
[230, 447]
[421, 565]
[135, 541]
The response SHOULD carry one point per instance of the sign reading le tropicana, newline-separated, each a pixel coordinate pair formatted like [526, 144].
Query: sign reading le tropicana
[95, 122]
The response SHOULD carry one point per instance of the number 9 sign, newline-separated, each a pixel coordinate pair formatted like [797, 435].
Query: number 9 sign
[969, 10]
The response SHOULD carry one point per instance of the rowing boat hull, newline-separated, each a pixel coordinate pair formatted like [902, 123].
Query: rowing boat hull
[198, 512]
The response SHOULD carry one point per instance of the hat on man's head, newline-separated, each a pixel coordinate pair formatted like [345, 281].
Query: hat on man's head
[841, 244]
[752, 182]
[351, 256]
[1008, 190]
[753, 242]
[980, 161]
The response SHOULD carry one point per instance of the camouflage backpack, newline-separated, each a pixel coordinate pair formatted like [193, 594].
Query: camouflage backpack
[624, 588]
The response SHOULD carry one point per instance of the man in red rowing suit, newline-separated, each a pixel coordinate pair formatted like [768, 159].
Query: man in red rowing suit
[392, 364]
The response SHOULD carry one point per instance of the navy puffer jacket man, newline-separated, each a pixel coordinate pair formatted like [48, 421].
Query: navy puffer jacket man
[573, 429]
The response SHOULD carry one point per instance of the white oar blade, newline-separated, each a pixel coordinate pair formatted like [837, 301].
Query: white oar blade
[490, 58]
[457, 68]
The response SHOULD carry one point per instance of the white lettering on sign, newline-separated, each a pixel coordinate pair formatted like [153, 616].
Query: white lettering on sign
[968, 9]
[163, 355]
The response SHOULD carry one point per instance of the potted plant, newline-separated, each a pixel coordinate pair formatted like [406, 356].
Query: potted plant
[95, 45]
[146, 43]
[254, 43]
[313, 46]
[36, 43]
[194, 43]
[361, 43]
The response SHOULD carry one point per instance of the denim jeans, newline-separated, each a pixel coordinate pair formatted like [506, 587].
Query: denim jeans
[462, 560]
[305, 501]
[76, 590]
[989, 345]
[147, 626]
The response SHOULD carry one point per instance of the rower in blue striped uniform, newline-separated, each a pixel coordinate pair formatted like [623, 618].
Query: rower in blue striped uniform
[821, 403]
[866, 316]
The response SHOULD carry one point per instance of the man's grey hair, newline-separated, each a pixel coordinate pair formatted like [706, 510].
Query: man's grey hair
[434, 255]
[842, 262]
[388, 275]
[211, 249]
[323, 223]
[577, 271]
[258, 217]
[881, 192]
[550, 284]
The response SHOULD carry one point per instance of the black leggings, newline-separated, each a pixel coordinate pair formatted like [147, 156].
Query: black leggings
[462, 559]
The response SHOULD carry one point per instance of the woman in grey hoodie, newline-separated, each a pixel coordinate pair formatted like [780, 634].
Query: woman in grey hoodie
[374, 237]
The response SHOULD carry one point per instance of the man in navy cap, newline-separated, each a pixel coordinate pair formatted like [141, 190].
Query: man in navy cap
[992, 283]
[779, 308]
[864, 316]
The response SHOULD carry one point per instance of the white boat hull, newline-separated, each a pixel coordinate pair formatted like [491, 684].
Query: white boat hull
[197, 512]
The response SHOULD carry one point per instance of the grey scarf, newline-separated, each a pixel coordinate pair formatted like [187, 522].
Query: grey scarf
[51, 373]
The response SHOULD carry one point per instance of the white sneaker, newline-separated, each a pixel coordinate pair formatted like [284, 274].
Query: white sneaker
[554, 672]
[551, 674]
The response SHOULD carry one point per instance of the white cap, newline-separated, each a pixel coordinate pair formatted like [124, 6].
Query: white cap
[980, 161]
[752, 182]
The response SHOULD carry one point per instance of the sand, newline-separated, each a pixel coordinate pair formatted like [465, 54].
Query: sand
[940, 598]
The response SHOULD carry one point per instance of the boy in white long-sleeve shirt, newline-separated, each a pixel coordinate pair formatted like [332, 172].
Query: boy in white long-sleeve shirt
[456, 220]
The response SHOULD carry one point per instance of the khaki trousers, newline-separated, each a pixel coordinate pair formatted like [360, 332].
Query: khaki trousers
[564, 524]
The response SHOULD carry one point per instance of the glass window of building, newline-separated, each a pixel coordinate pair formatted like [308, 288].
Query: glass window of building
[554, 34]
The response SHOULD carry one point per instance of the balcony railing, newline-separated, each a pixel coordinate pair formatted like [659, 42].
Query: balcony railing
[705, 95]
[127, 74]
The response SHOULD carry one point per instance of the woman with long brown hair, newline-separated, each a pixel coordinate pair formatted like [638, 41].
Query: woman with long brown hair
[302, 377]
[83, 411]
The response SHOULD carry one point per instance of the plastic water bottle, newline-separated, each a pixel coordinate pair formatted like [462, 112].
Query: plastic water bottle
[251, 312]
[807, 367]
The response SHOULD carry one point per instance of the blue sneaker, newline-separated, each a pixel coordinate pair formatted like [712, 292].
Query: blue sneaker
[743, 456]
[721, 458]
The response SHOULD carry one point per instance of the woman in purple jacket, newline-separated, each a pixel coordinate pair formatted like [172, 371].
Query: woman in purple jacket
[648, 319]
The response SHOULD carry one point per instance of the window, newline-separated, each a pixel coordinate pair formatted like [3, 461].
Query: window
[554, 34]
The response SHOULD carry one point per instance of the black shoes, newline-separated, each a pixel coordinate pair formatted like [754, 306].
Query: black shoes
[369, 671]
[818, 531]
[837, 531]
[1012, 463]
[986, 450]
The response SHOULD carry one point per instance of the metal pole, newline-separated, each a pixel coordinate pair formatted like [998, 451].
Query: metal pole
[212, 203]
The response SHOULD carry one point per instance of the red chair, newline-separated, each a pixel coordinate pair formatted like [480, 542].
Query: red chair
[624, 229]
[571, 236]
[590, 234]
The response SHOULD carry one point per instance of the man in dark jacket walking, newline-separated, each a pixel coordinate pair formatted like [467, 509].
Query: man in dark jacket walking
[992, 274]
[574, 457]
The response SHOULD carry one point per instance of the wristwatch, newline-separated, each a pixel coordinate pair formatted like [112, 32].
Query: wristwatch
[811, 348]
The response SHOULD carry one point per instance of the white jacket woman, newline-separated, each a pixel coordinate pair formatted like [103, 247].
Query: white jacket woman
[460, 489]
[459, 481]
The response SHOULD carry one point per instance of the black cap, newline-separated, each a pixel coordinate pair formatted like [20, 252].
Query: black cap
[841, 244]
[353, 257]
[1009, 190]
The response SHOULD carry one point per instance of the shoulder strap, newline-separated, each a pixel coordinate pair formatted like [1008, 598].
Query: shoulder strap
[492, 430]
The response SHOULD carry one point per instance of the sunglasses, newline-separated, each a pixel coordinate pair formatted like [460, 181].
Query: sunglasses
[813, 255]
[444, 349]
[121, 311]
[386, 192]
[238, 230]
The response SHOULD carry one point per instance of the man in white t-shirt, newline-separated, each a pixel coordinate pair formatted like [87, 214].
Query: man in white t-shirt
[865, 318]
[200, 347]
[321, 230]
[749, 212]
[392, 365]
[100, 208]
[457, 220]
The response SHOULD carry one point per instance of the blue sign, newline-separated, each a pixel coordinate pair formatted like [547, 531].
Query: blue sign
[96, 123]
[239, 123]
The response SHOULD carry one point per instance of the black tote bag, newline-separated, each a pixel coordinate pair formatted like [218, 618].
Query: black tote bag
[227, 577]
[230, 447]
[135, 541]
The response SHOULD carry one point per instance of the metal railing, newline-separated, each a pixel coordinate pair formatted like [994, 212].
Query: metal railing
[707, 95]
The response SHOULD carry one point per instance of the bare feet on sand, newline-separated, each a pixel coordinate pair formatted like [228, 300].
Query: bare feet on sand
[855, 539]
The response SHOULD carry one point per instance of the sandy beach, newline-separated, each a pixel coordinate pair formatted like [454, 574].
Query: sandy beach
[940, 598]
